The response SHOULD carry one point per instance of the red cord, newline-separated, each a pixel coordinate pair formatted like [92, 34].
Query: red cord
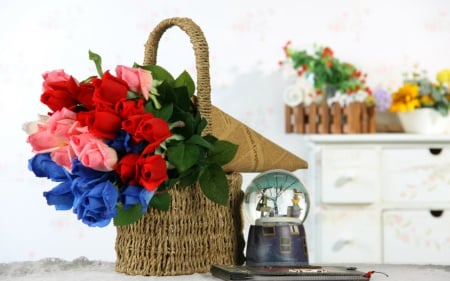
[370, 273]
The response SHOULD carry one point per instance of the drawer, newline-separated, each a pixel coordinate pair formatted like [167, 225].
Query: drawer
[349, 175]
[419, 175]
[351, 235]
[416, 236]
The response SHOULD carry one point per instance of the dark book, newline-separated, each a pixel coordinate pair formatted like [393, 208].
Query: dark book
[293, 273]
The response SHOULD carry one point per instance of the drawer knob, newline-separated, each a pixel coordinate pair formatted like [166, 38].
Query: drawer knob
[435, 151]
[436, 213]
[338, 245]
[341, 181]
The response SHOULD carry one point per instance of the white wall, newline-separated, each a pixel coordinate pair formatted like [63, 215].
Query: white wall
[383, 37]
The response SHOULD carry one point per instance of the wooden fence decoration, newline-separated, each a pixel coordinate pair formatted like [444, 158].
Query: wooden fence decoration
[355, 118]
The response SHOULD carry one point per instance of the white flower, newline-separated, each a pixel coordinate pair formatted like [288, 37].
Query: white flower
[32, 126]
[338, 97]
[344, 98]
[301, 92]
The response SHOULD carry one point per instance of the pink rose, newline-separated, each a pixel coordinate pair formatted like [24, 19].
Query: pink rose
[63, 156]
[55, 132]
[55, 76]
[94, 153]
[63, 123]
[138, 79]
[78, 142]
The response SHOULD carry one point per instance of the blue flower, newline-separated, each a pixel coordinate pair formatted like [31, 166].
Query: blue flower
[61, 196]
[42, 165]
[133, 195]
[85, 172]
[97, 206]
[120, 142]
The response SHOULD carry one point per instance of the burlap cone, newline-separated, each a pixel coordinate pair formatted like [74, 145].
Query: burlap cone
[255, 152]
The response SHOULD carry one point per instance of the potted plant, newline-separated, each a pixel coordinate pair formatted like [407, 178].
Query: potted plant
[423, 105]
[337, 87]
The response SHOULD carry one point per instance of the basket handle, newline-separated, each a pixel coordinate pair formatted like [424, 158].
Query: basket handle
[201, 52]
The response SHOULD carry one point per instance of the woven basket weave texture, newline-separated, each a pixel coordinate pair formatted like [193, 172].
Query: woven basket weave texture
[196, 232]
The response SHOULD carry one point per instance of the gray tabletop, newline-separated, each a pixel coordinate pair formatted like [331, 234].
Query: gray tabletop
[83, 269]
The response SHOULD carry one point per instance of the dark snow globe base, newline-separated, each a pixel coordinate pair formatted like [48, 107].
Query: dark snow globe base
[276, 204]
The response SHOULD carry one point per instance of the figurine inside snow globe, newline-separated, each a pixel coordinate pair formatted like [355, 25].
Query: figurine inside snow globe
[276, 204]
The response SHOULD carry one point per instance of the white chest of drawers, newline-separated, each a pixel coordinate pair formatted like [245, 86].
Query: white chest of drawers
[379, 198]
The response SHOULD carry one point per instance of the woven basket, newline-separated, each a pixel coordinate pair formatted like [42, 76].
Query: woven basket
[196, 232]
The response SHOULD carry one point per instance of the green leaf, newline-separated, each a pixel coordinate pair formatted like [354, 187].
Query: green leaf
[190, 177]
[223, 152]
[442, 109]
[201, 126]
[158, 72]
[161, 201]
[183, 156]
[132, 95]
[165, 112]
[98, 62]
[182, 98]
[127, 216]
[198, 140]
[185, 80]
[188, 129]
[214, 184]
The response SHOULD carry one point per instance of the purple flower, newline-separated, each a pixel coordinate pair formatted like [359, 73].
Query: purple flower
[383, 100]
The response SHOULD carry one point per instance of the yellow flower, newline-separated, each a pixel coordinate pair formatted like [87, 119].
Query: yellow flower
[370, 101]
[427, 100]
[443, 76]
[406, 98]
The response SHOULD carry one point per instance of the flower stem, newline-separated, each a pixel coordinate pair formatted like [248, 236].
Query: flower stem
[97, 59]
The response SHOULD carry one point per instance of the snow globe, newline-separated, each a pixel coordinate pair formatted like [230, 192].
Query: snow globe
[276, 204]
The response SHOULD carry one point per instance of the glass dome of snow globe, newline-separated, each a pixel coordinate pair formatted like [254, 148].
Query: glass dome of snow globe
[276, 197]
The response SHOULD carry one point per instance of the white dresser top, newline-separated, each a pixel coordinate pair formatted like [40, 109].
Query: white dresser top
[377, 138]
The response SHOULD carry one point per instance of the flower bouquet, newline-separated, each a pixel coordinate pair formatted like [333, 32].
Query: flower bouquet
[115, 144]
[422, 105]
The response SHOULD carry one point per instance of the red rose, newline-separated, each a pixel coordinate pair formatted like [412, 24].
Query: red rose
[60, 90]
[152, 171]
[106, 124]
[126, 168]
[131, 123]
[109, 90]
[147, 127]
[86, 118]
[126, 107]
[86, 94]
[154, 130]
